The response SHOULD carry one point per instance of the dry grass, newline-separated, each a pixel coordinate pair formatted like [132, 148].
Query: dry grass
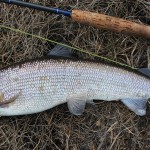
[106, 125]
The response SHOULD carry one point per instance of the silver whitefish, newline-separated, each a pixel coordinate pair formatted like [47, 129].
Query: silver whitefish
[38, 85]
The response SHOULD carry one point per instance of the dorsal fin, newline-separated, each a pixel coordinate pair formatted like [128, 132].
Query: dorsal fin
[63, 51]
[145, 71]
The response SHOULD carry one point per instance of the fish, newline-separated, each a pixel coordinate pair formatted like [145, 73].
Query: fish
[40, 84]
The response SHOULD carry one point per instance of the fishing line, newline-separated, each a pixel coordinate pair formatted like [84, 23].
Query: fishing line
[74, 48]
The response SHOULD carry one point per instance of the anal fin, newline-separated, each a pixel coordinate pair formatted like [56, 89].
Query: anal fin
[138, 106]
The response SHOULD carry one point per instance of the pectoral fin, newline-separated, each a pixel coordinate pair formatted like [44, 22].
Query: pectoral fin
[76, 103]
[11, 97]
[138, 106]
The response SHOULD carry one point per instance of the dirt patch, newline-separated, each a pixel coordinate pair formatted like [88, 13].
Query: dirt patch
[106, 125]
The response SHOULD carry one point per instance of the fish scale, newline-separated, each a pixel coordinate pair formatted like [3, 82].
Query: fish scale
[44, 84]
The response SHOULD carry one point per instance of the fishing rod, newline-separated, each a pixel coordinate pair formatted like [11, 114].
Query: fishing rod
[100, 21]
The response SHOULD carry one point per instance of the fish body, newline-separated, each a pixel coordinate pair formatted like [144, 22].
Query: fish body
[38, 85]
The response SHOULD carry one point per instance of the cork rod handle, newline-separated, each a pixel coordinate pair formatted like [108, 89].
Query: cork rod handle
[110, 23]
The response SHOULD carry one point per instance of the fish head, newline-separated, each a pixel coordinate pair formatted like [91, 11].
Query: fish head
[8, 85]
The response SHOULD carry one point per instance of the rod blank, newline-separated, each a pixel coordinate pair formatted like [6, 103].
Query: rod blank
[38, 7]
[93, 19]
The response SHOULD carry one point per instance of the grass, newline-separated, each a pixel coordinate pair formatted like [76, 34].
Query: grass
[106, 125]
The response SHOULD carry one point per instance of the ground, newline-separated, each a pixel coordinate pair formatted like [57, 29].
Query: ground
[105, 125]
